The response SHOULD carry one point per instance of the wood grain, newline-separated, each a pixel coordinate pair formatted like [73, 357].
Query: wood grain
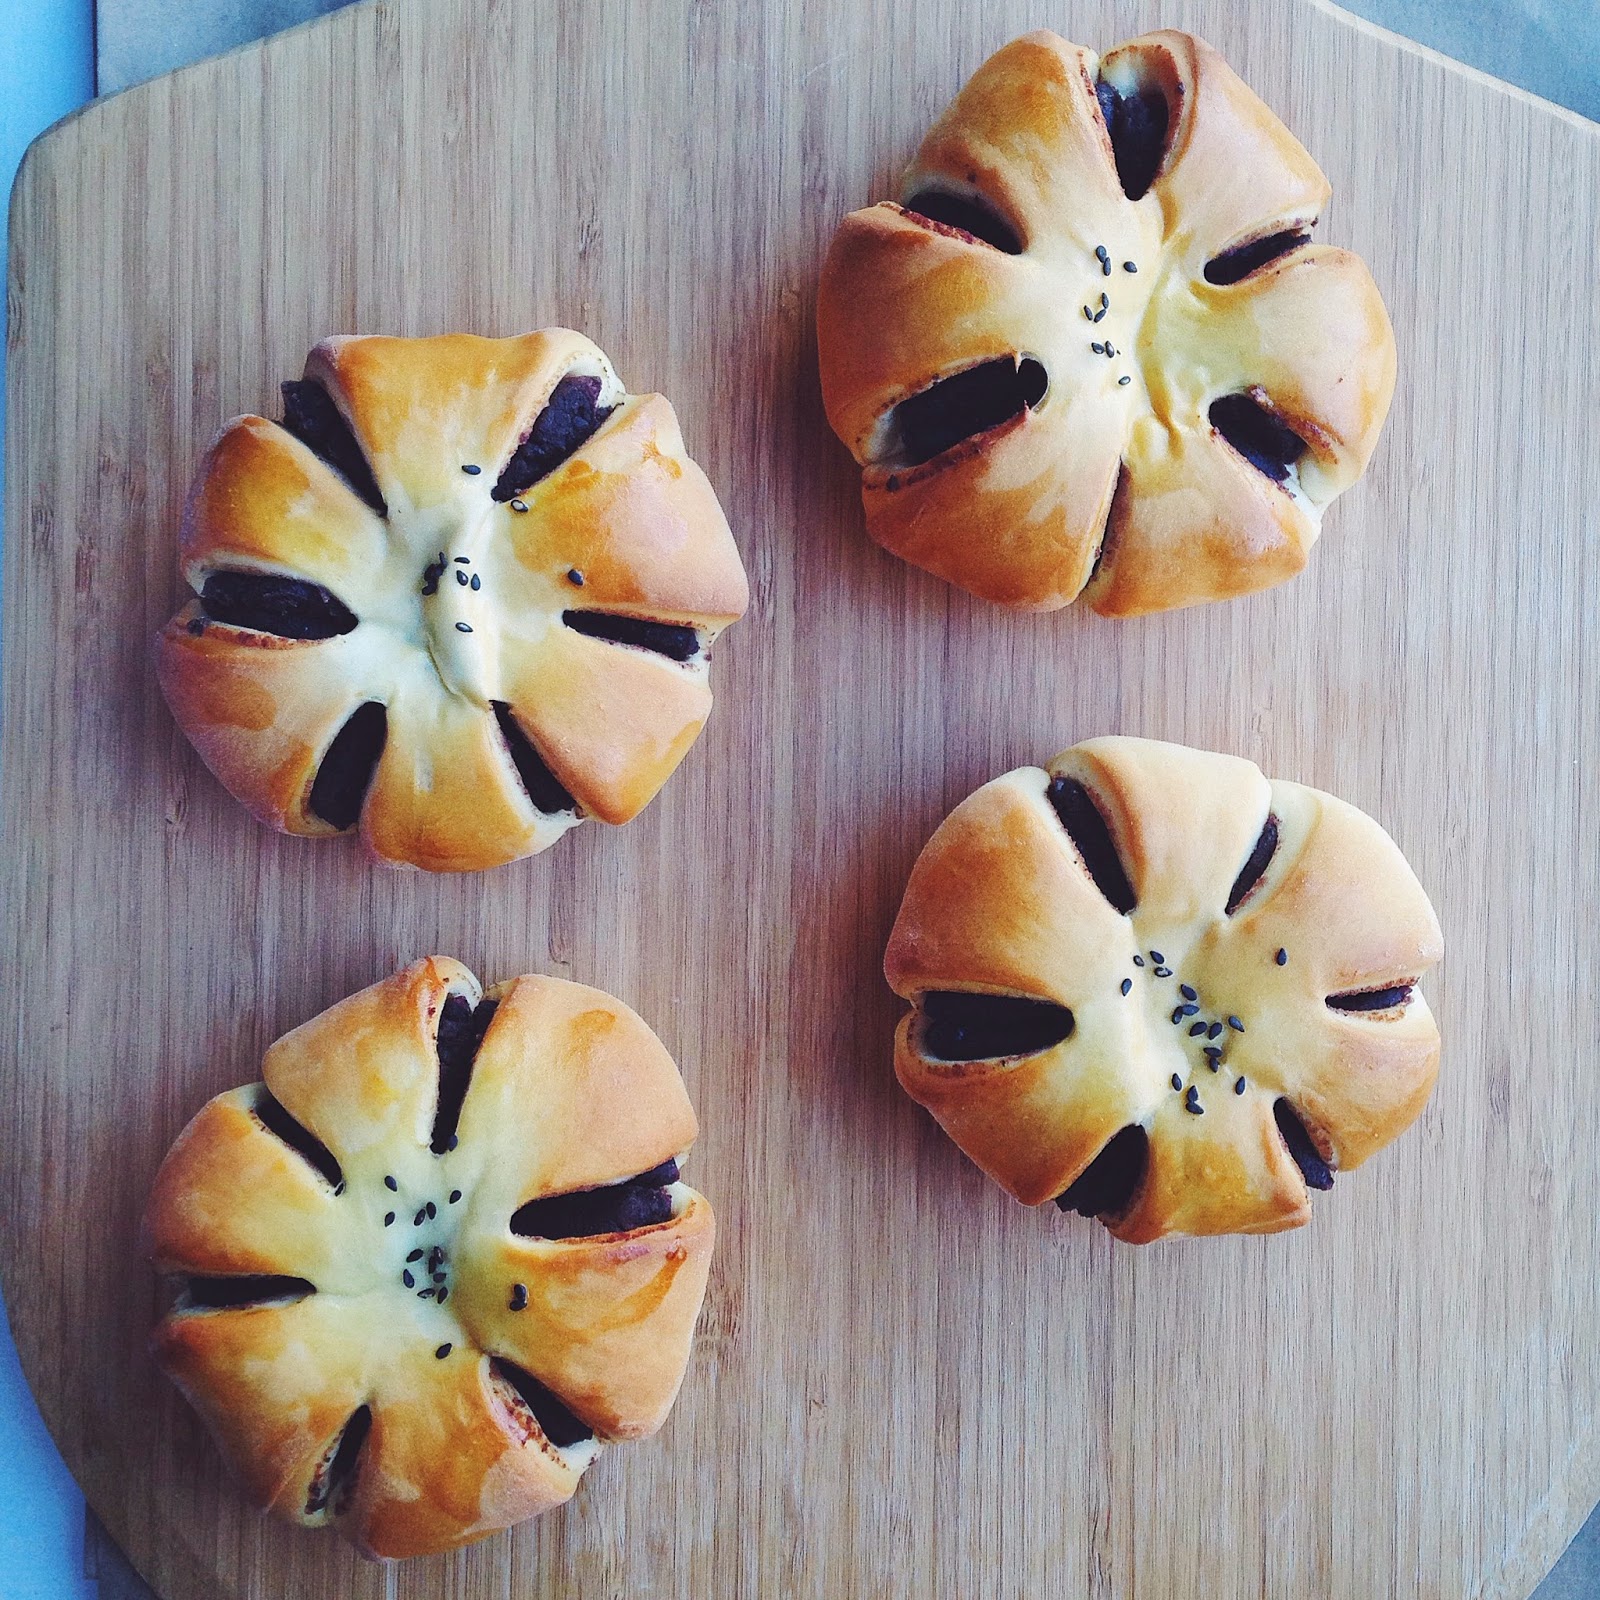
[904, 1384]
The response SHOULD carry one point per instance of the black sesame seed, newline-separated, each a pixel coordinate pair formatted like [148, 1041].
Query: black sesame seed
[455, 1194]
[461, 578]
[477, 582]
[471, 471]
[1187, 992]
[1105, 302]
[1197, 1030]
[1238, 1086]
[1214, 1051]
[519, 1297]
[1099, 316]
[1236, 1024]
[1128, 266]
[454, 1141]
[416, 1255]
[462, 627]
[438, 1277]
[1282, 958]
[426, 1294]
[1177, 1082]
[388, 1219]
[435, 1256]
[1214, 1031]
[1177, 1014]
[1111, 349]
[463, 561]
[1127, 984]
[1138, 961]
[519, 505]
[1102, 253]
[1190, 1009]
[1163, 972]
[417, 1221]
[1099, 349]
[1088, 314]
[444, 1294]
[1124, 379]
[1157, 957]
[442, 1351]
[574, 576]
[1192, 1103]
[432, 1210]
[407, 1279]
[1105, 268]
[389, 1183]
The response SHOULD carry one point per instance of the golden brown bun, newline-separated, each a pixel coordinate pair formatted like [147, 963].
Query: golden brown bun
[1002, 902]
[627, 511]
[568, 1091]
[1018, 513]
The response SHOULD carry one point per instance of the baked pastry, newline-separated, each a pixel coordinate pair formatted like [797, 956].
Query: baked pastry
[1093, 350]
[1158, 989]
[437, 1259]
[463, 596]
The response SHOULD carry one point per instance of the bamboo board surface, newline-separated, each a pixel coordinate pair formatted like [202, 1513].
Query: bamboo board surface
[903, 1384]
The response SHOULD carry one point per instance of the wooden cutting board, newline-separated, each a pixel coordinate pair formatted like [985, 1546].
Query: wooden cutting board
[904, 1383]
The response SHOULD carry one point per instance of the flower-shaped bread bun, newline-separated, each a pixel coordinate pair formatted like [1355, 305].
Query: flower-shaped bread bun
[463, 596]
[437, 1258]
[1093, 350]
[1160, 990]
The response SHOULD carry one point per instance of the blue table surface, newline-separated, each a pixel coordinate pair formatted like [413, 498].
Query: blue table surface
[47, 69]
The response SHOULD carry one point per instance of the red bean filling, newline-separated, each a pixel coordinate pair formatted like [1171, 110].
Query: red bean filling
[461, 1031]
[1307, 1157]
[555, 1420]
[571, 415]
[289, 608]
[958, 1026]
[970, 215]
[1266, 443]
[669, 639]
[966, 404]
[542, 786]
[335, 1479]
[1243, 259]
[310, 414]
[226, 1294]
[1106, 1187]
[1371, 999]
[1090, 833]
[346, 771]
[1255, 867]
[637, 1202]
[270, 1112]
[1137, 124]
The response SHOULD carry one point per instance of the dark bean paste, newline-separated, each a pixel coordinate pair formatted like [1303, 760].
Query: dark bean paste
[970, 215]
[571, 415]
[542, 786]
[310, 414]
[959, 1026]
[1137, 124]
[289, 608]
[670, 639]
[966, 404]
[1256, 864]
[1106, 1187]
[346, 771]
[1268, 444]
[1090, 833]
[556, 1422]
[461, 1031]
[637, 1202]
[1297, 1141]
[1243, 259]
